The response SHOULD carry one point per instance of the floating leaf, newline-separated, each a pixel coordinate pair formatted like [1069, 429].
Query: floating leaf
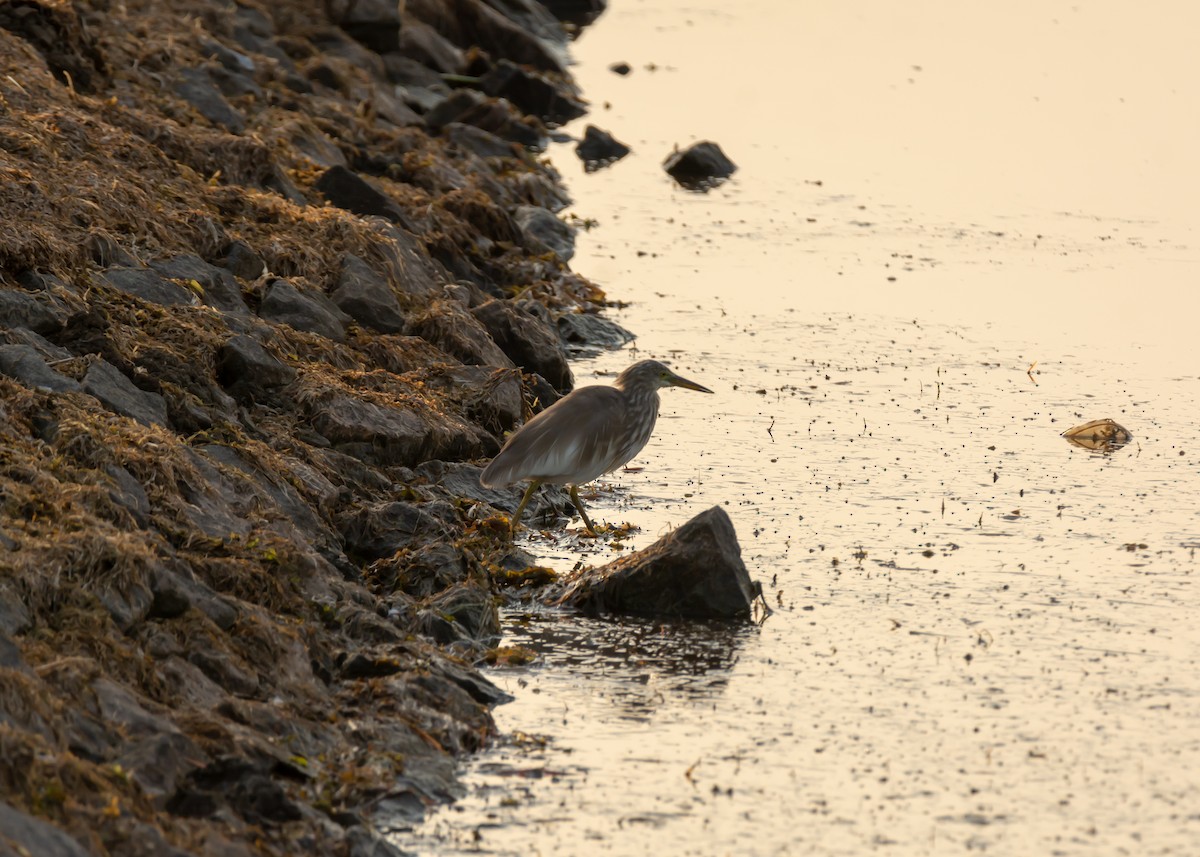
[1100, 435]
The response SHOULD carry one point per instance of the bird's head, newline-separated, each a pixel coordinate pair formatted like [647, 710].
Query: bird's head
[650, 374]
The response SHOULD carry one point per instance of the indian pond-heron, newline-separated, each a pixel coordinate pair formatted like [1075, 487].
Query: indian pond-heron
[585, 434]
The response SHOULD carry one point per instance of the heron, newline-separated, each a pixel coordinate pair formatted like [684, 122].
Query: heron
[585, 434]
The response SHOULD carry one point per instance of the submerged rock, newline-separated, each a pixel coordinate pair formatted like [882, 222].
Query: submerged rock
[696, 572]
[599, 148]
[700, 166]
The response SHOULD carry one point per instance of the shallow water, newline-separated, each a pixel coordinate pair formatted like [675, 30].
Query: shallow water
[984, 638]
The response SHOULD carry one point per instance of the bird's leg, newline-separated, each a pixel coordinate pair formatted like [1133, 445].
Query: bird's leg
[579, 507]
[516, 518]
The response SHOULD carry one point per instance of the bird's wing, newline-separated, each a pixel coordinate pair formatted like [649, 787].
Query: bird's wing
[573, 441]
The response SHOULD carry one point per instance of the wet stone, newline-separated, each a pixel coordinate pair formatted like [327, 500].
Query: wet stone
[545, 233]
[248, 371]
[586, 334]
[449, 326]
[526, 340]
[148, 285]
[700, 166]
[375, 23]
[427, 46]
[196, 87]
[21, 309]
[482, 143]
[599, 148]
[694, 572]
[23, 363]
[242, 261]
[347, 189]
[366, 297]
[464, 613]
[219, 287]
[533, 93]
[283, 303]
[22, 834]
[380, 529]
[128, 493]
[104, 250]
[118, 393]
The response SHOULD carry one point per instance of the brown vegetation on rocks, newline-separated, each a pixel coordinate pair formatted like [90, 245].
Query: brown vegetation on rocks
[244, 321]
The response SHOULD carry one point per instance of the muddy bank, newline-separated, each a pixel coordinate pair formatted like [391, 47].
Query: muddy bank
[274, 275]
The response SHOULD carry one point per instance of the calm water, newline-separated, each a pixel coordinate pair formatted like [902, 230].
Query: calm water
[951, 238]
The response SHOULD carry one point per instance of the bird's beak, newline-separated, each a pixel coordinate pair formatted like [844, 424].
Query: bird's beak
[677, 381]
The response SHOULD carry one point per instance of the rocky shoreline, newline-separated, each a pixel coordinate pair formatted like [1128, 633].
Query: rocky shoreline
[276, 277]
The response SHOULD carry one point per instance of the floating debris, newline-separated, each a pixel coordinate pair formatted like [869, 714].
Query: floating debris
[1100, 435]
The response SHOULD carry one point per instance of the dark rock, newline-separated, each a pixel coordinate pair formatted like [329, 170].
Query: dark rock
[545, 233]
[248, 371]
[40, 281]
[364, 665]
[57, 33]
[149, 286]
[234, 84]
[449, 326]
[430, 48]
[578, 12]
[410, 269]
[197, 89]
[463, 613]
[283, 303]
[226, 670]
[533, 93]
[120, 708]
[544, 394]
[242, 261]
[364, 842]
[22, 835]
[527, 341]
[532, 17]
[700, 166]
[128, 493]
[381, 529]
[220, 288]
[21, 309]
[482, 143]
[127, 604]
[428, 570]
[14, 615]
[694, 572]
[473, 22]
[118, 393]
[346, 189]
[586, 334]
[480, 689]
[376, 23]
[228, 58]
[23, 363]
[10, 655]
[104, 250]
[382, 434]
[599, 148]
[188, 682]
[494, 115]
[259, 799]
[461, 479]
[366, 297]
[491, 397]
[159, 763]
[621, 68]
